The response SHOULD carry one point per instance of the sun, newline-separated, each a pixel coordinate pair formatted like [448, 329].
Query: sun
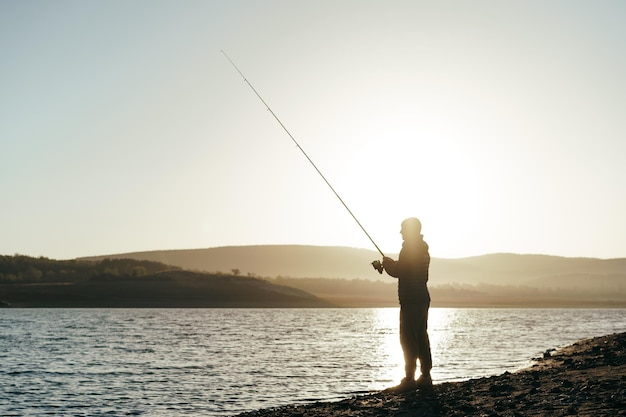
[422, 174]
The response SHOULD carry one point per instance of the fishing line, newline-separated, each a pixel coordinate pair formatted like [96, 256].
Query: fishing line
[307, 157]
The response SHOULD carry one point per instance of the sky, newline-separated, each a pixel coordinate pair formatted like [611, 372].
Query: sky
[501, 125]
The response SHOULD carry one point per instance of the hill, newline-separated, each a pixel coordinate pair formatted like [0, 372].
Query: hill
[297, 261]
[304, 276]
[344, 276]
[533, 270]
[41, 282]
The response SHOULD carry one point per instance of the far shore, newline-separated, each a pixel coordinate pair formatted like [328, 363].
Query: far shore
[586, 379]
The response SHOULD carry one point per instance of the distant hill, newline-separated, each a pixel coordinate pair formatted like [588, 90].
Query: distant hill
[303, 276]
[298, 261]
[531, 270]
[42, 282]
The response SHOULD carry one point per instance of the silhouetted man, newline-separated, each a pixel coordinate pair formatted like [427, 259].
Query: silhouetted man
[411, 269]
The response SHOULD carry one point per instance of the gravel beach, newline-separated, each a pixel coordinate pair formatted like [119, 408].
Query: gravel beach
[587, 378]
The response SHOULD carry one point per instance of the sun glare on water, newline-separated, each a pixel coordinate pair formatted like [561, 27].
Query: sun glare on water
[390, 351]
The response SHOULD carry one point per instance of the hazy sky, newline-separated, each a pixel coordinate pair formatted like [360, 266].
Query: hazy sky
[500, 124]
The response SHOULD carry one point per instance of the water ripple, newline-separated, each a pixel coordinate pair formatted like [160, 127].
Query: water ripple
[221, 362]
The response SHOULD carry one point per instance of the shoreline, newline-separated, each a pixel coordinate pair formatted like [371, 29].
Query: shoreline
[587, 378]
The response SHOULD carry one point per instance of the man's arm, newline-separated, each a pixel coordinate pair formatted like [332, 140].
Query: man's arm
[390, 266]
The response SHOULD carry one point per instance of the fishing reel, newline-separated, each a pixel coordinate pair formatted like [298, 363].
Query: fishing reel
[378, 266]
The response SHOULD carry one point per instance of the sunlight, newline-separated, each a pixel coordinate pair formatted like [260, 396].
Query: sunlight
[411, 175]
[439, 322]
[390, 350]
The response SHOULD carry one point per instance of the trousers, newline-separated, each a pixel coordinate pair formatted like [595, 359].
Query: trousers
[414, 338]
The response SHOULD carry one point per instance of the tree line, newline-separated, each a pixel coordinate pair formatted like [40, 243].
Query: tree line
[26, 269]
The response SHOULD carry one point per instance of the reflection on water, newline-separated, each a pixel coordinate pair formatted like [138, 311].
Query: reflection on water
[389, 351]
[224, 361]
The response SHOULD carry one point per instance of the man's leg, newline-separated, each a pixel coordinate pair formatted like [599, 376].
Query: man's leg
[423, 346]
[408, 341]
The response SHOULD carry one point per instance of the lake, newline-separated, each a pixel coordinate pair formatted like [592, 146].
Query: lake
[211, 362]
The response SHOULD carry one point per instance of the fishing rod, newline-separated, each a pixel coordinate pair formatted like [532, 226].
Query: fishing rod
[376, 264]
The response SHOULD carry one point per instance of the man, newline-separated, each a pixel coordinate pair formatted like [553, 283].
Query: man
[411, 269]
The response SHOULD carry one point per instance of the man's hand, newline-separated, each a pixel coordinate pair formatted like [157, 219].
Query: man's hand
[388, 262]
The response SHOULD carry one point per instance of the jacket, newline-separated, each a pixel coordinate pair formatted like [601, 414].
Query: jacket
[411, 269]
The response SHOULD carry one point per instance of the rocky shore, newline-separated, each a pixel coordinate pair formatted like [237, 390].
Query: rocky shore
[587, 378]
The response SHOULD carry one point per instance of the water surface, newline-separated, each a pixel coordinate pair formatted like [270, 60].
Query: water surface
[171, 362]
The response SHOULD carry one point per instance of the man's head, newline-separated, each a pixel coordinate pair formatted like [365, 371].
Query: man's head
[411, 227]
